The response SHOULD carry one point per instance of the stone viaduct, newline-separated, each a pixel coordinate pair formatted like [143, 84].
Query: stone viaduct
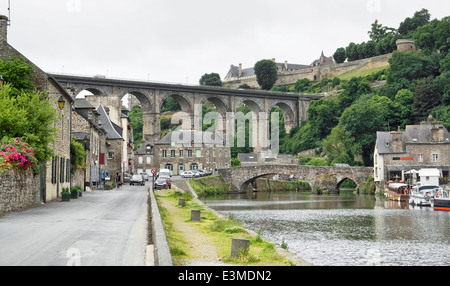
[316, 176]
[152, 95]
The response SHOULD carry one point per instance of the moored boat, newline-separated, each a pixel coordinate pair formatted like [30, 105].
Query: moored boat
[397, 192]
[422, 195]
[441, 200]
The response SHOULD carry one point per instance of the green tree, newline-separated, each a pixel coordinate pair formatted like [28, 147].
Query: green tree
[17, 72]
[426, 96]
[323, 115]
[29, 115]
[212, 79]
[340, 146]
[409, 25]
[362, 120]
[266, 73]
[136, 122]
[340, 55]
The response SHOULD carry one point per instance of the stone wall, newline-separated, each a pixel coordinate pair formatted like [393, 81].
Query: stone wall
[18, 191]
[316, 73]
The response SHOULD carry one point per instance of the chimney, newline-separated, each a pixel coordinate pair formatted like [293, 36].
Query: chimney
[396, 141]
[437, 133]
[3, 28]
[240, 70]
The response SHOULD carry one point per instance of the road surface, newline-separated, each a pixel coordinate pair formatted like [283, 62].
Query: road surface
[102, 228]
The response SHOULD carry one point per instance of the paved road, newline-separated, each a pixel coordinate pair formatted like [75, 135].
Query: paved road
[102, 228]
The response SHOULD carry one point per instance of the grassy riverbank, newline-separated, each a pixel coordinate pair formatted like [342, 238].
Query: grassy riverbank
[208, 241]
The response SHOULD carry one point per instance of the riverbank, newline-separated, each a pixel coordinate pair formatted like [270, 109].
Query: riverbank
[208, 241]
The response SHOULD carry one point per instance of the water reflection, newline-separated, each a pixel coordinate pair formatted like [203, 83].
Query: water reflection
[344, 229]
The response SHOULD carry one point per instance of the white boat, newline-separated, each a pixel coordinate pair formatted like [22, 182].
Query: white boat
[423, 195]
[442, 200]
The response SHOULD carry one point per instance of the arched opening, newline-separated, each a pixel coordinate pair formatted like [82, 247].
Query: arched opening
[87, 92]
[347, 186]
[275, 182]
[245, 137]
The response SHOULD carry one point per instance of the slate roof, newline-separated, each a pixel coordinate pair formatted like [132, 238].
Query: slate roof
[111, 131]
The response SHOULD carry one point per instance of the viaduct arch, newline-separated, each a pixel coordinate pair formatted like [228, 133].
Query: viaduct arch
[152, 95]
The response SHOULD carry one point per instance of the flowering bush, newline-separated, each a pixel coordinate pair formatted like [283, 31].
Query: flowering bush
[16, 154]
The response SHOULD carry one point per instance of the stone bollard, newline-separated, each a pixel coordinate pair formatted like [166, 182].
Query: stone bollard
[238, 245]
[195, 215]
[181, 202]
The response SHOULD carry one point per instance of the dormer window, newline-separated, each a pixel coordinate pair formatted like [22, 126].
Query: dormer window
[148, 149]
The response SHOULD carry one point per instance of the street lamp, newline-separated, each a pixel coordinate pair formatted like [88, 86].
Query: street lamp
[61, 102]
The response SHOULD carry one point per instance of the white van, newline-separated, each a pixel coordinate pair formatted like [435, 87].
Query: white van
[165, 173]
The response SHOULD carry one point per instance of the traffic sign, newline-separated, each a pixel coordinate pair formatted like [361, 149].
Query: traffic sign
[153, 171]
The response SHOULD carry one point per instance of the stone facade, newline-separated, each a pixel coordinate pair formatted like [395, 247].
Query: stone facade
[167, 154]
[56, 173]
[420, 146]
[18, 191]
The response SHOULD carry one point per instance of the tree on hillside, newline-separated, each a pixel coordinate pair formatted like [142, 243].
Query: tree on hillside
[212, 79]
[409, 25]
[340, 55]
[426, 96]
[266, 74]
[137, 124]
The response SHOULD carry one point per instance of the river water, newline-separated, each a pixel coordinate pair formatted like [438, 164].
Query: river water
[345, 229]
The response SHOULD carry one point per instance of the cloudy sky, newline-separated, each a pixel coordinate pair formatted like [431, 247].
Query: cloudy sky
[177, 41]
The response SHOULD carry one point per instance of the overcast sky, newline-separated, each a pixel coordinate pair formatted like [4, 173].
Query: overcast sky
[178, 41]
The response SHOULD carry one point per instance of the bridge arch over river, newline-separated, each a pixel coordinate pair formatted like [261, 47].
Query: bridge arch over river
[316, 176]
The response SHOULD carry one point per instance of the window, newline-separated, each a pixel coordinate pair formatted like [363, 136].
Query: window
[198, 153]
[420, 157]
[172, 153]
[149, 160]
[140, 160]
[194, 166]
[110, 155]
[435, 157]
[148, 149]
[164, 153]
[189, 153]
[169, 166]
[181, 153]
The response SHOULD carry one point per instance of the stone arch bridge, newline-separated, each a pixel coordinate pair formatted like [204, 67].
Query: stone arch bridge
[152, 96]
[316, 176]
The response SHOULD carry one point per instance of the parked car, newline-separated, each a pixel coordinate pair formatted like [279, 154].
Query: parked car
[187, 174]
[137, 180]
[160, 183]
[126, 178]
[165, 173]
[145, 176]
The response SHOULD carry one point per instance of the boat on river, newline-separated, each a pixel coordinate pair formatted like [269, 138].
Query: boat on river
[423, 195]
[441, 200]
[397, 192]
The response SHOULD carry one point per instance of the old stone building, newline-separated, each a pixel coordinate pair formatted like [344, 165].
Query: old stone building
[420, 146]
[88, 130]
[55, 174]
[111, 152]
[178, 153]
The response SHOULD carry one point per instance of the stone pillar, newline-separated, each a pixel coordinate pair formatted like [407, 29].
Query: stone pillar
[195, 215]
[3, 29]
[239, 245]
[151, 128]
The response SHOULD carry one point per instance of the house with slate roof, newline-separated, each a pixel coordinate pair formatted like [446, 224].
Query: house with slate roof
[110, 158]
[183, 150]
[420, 146]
